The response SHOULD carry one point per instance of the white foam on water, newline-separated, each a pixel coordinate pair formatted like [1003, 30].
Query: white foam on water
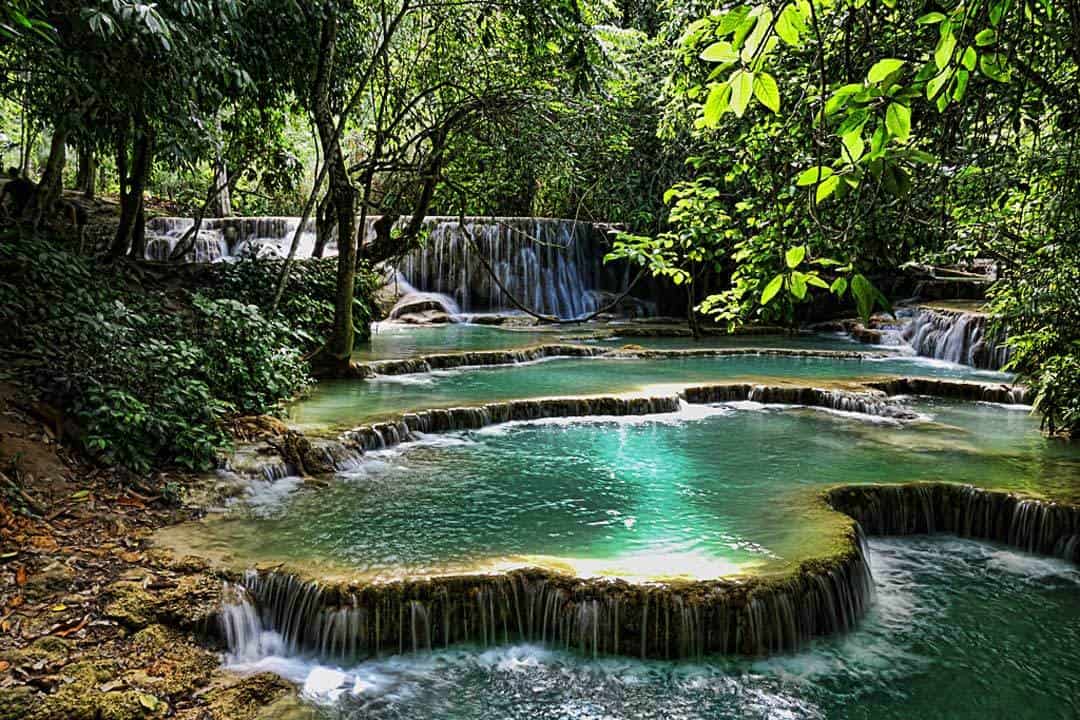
[687, 413]
[264, 496]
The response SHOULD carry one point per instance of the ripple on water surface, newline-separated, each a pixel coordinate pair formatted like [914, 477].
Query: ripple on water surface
[697, 494]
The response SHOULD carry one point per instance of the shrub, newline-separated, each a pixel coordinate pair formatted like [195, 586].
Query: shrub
[148, 375]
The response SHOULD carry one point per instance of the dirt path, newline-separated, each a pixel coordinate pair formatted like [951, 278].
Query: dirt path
[93, 624]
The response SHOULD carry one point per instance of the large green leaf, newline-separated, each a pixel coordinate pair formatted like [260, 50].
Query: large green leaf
[720, 52]
[827, 187]
[794, 256]
[898, 121]
[766, 91]
[812, 176]
[771, 289]
[716, 104]
[883, 69]
[742, 89]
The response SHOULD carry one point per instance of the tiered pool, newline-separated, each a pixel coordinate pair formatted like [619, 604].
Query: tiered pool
[674, 501]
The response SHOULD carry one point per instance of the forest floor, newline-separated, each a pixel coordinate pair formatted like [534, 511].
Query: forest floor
[94, 623]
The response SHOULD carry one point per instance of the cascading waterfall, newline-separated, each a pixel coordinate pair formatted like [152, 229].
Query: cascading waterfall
[751, 616]
[229, 238]
[955, 336]
[867, 403]
[550, 265]
[1036, 526]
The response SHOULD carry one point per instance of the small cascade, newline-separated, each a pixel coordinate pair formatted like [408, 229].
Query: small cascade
[753, 616]
[873, 402]
[956, 389]
[550, 265]
[379, 436]
[1033, 525]
[229, 238]
[479, 358]
[954, 336]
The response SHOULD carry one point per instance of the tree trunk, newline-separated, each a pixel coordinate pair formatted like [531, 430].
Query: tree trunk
[337, 354]
[86, 180]
[324, 225]
[51, 187]
[221, 180]
[131, 231]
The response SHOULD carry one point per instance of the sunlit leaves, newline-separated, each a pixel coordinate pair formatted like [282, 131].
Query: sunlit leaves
[794, 256]
[716, 104]
[742, 89]
[883, 69]
[944, 51]
[898, 121]
[814, 175]
[766, 91]
[771, 289]
[719, 52]
[826, 188]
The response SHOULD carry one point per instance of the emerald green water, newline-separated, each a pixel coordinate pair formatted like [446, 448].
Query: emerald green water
[346, 403]
[959, 630]
[697, 494]
[390, 341]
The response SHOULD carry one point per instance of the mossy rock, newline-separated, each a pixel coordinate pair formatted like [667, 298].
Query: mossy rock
[170, 664]
[49, 649]
[247, 697]
[16, 702]
[191, 604]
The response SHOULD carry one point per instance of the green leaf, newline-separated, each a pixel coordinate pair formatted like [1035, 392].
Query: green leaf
[853, 145]
[716, 104]
[827, 187]
[742, 88]
[898, 121]
[969, 58]
[771, 289]
[816, 281]
[986, 37]
[794, 256]
[839, 286]
[883, 69]
[798, 285]
[993, 66]
[944, 51]
[865, 294]
[934, 87]
[814, 175]
[840, 98]
[785, 27]
[962, 77]
[720, 52]
[766, 92]
[931, 18]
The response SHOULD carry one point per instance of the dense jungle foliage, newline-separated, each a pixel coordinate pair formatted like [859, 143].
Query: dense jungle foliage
[757, 156]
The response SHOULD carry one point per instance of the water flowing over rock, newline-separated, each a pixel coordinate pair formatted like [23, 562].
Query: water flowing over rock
[872, 402]
[955, 336]
[750, 616]
[552, 266]
[387, 434]
[1036, 526]
[478, 358]
[954, 389]
[228, 238]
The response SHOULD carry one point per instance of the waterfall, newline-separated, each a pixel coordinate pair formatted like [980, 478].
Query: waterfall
[955, 336]
[229, 238]
[550, 265]
[1036, 526]
[872, 402]
[593, 616]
